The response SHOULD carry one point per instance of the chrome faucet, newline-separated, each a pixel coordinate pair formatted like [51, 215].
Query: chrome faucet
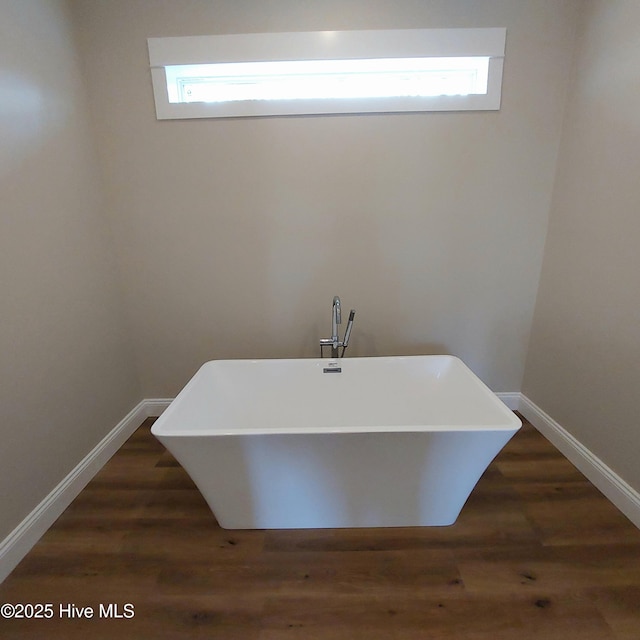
[334, 341]
[336, 319]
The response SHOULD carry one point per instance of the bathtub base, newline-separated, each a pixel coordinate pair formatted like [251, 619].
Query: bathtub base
[337, 480]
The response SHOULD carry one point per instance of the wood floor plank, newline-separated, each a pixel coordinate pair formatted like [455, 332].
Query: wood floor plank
[576, 515]
[619, 607]
[436, 617]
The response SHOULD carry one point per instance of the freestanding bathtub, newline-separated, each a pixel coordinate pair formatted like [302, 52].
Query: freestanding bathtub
[316, 443]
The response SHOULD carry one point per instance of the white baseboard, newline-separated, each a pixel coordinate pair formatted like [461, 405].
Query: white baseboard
[19, 542]
[621, 494]
[155, 406]
[510, 398]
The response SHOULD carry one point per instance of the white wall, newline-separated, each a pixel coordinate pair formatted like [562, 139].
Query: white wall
[583, 366]
[234, 235]
[66, 373]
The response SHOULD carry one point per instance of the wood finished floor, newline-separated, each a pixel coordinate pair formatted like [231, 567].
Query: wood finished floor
[537, 552]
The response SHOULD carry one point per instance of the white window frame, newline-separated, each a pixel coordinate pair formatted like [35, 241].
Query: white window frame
[327, 45]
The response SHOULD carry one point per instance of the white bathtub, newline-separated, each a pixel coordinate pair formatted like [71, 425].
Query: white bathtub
[385, 442]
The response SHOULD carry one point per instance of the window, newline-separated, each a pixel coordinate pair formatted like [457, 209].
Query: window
[327, 72]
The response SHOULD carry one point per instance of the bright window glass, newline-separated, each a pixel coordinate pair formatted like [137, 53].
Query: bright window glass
[325, 72]
[327, 79]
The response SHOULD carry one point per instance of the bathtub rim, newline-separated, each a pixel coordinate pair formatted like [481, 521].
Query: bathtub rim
[159, 429]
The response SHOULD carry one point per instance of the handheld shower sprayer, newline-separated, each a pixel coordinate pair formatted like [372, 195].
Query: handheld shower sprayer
[347, 333]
